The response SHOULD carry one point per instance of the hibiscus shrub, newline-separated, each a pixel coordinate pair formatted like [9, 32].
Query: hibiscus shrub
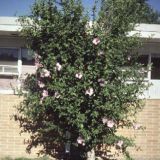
[87, 83]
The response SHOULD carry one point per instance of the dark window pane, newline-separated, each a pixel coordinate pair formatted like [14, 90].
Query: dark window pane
[27, 57]
[8, 54]
[143, 59]
[155, 73]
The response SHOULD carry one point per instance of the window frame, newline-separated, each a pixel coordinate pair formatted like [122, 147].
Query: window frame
[147, 78]
[16, 66]
[150, 55]
[19, 63]
[22, 58]
[18, 74]
[154, 55]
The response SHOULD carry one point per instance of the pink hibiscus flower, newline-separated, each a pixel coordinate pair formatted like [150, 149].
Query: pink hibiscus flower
[110, 123]
[104, 120]
[89, 92]
[119, 143]
[96, 41]
[102, 82]
[58, 66]
[45, 93]
[57, 95]
[45, 73]
[37, 61]
[80, 140]
[78, 75]
[40, 84]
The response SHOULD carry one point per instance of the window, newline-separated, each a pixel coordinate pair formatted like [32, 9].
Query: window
[155, 72]
[14, 63]
[9, 60]
[27, 57]
[154, 60]
[144, 61]
[8, 56]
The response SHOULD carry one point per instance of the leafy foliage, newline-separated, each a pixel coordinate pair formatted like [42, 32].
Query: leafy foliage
[148, 14]
[87, 84]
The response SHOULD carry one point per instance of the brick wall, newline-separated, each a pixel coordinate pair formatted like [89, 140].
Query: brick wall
[148, 141]
[11, 142]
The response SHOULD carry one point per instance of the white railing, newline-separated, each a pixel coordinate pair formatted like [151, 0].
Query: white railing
[9, 70]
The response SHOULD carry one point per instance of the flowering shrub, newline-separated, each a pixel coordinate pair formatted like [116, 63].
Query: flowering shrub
[79, 86]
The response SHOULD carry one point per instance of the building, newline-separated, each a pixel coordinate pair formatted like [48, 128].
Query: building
[16, 61]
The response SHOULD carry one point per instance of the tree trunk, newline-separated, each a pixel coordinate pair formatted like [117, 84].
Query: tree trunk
[91, 155]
